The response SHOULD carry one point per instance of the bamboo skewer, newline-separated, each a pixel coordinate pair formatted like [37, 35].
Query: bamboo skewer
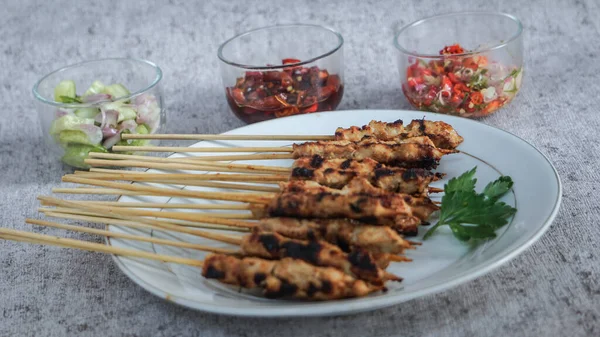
[102, 210]
[226, 219]
[167, 166]
[184, 182]
[128, 148]
[159, 225]
[242, 197]
[187, 160]
[167, 215]
[260, 156]
[16, 235]
[164, 205]
[180, 244]
[143, 176]
[92, 190]
[226, 137]
[74, 215]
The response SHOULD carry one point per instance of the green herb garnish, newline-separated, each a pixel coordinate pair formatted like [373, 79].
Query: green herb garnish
[67, 99]
[472, 215]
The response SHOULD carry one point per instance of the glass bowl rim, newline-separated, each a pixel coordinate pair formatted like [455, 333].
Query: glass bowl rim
[154, 82]
[479, 51]
[284, 66]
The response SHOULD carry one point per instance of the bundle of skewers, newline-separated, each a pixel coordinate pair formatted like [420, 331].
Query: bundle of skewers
[325, 228]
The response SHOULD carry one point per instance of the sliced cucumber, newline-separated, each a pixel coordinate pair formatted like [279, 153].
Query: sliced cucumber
[142, 129]
[116, 90]
[97, 87]
[65, 89]
[86, 112]
[68, 122]
[74, 137]
[125, 114]
[75, 154]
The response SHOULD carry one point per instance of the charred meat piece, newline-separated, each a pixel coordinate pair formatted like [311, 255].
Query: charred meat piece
[337, 173]
[422, 207]
[442, 134]
[345, 234]
[386, 210]
[390, 153]
[358, 263]
[287, 278]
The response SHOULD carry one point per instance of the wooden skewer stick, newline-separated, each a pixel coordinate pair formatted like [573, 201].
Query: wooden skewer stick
[180, 244]
[260, 156]
[158, 225]
[137, 211]
[194, 217]
[107, 191]
[164, 205]
[163, 166]
[399, 258]
[242, 197]
[73, 215]
[187, 182]
[226, 137]
[16, 235]
[117, 148]
[188, 160]
[101, 191]
[143, 176]
[173, 166]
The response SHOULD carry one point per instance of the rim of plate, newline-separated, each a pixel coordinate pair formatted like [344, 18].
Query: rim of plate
[346, 307]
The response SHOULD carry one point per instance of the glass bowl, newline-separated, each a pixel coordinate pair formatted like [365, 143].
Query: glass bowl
[466, 64]
[86, 107]
[282, 70]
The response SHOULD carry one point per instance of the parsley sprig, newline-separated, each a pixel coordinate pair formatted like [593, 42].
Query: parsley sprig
[472, 215]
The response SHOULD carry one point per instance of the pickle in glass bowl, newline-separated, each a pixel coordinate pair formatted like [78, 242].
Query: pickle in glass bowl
[86, 107]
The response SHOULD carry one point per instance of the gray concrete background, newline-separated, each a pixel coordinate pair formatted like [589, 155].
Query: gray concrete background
[552, 289]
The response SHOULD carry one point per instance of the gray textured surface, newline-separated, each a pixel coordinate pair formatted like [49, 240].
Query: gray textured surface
[552, 289]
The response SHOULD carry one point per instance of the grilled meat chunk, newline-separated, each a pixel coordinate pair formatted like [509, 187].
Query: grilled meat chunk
[337, 173]
[441, 134]
[358, 263]
[389, 153]
[287, 278]
[345, 234]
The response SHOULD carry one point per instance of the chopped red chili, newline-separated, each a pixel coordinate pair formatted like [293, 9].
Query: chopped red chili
[262, 95]
[453, 49]
[467, 85]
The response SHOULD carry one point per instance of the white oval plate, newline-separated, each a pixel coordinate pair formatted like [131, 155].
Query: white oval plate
[441, 263]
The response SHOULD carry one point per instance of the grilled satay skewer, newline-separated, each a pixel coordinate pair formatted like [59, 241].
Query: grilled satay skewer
[396, 153]
[343, 233]
[422, 207]
[389, 153]
[357, 263]
[286, 278]
[401, 212]
[334, 173]
[442, 134]
[337, 173]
